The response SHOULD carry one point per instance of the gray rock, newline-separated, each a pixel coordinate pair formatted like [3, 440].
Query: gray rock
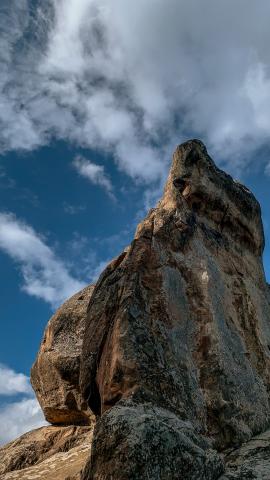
[251, 461]
[145, 442]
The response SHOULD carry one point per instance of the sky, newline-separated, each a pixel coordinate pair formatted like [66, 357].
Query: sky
[94, 97]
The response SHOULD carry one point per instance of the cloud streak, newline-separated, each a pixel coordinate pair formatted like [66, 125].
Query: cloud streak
[45, 276]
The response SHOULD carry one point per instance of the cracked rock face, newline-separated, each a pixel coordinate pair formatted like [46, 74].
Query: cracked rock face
[180, 321]
[55, 373]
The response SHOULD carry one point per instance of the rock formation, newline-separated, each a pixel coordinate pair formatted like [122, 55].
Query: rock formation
[179, 325]
[55, 373]
[175, 343]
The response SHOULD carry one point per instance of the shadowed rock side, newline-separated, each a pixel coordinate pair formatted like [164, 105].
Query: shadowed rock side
[51, 453]
[55, 373]
[178, 332]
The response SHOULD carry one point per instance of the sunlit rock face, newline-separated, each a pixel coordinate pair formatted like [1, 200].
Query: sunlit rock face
[180, 321]
[55, 373]
[51, 453]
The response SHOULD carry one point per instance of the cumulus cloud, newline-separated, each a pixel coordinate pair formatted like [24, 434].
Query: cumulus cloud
[94, 173]
[19, 417]
[135, 78]
[12, 382]
[45, 276]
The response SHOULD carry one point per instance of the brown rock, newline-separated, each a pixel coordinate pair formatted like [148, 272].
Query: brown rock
[180, 321]
[51, 453]
[55, 374]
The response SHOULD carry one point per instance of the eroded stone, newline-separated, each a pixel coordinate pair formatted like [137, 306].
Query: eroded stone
[55, 373]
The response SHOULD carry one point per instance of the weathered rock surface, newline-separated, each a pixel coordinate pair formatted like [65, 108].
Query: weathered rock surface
[55, 374]
[251, 461]
[51, 453]
[145, 442]
[179, 323]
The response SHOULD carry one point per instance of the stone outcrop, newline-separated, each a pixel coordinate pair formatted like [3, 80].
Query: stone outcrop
[180, 323]
[170, 350]
[55, 373]
[51, 453]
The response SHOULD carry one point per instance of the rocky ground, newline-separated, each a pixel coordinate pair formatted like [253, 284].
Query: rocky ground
[48, 453]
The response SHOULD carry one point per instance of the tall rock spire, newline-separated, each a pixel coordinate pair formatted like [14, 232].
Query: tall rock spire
[178, 330]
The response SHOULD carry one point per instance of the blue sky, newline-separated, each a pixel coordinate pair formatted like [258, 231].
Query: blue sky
[93, 101]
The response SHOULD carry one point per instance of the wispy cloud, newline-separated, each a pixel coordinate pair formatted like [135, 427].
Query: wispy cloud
[17, 417]
[44, 275]
[73, 209]
[87, 260]
[134, 79]
[93, 173]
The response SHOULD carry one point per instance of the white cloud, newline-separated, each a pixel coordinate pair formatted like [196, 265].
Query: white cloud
[19, 417]
[45, 275]
[135, 78]
[25, 414]
[12, 383]
[94, 173]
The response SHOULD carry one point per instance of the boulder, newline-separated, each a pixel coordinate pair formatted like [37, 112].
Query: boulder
[54, 453]
[180, 321]
[55, 373]
[146, 442]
